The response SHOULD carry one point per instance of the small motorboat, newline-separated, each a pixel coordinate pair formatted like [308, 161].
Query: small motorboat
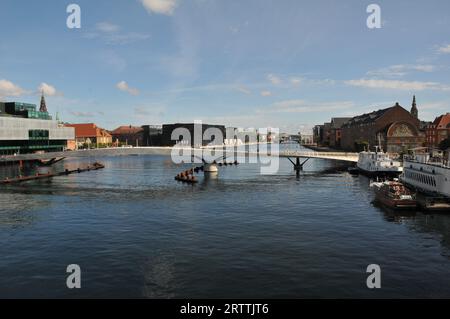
[395, 195]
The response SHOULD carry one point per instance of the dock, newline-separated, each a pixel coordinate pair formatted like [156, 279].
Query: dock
[21, 179]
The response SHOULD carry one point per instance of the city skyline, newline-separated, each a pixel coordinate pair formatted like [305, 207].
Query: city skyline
[256, 64]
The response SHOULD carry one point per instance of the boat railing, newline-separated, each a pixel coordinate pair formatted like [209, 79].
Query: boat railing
[435, 161]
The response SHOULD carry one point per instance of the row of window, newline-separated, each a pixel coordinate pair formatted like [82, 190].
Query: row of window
[38, 134]
[424, 179]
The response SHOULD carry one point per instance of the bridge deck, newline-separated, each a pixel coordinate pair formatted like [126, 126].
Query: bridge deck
[339, 156]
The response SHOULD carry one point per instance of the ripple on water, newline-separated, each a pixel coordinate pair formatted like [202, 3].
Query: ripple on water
[137, 233]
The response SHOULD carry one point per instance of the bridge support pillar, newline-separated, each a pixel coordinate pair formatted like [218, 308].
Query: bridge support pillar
[297, 166]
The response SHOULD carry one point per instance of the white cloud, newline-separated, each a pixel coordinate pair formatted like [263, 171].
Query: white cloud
[49, 90]
[397, 85]
[444, 49]
[126, 38]
[9, 89]
[296, 81]
[110, 33]
[302, 106]
[107, 27]
[166, 7]
[266, 93]
[275, 80]
[123, 86]
[435, 106]
[150, 112]
[244, 90]
[234, 29]
[82, 114]
[400, 70]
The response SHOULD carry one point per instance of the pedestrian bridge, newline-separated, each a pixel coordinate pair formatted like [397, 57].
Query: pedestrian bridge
[167, 151]
[337, 156]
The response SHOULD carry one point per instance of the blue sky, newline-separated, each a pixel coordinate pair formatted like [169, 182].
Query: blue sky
[248, 63]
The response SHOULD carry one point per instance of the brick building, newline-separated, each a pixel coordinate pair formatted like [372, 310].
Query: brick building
[317, 134]
[326, 133]
[396, 129]
[128, 135]
[438, 131]
[335, 133]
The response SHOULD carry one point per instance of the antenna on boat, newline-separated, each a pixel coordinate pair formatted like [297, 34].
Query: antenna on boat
[379, 143]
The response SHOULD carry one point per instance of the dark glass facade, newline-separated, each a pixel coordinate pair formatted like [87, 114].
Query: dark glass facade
[167, 130]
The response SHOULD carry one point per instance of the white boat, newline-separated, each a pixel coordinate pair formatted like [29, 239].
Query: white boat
[378, 163]
[427, 173]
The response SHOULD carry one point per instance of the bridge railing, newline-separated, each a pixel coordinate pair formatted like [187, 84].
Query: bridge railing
[293, 153]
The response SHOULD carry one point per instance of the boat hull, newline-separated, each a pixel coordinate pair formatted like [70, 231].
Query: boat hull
[379, 173]
[395, 196]
[397, 203]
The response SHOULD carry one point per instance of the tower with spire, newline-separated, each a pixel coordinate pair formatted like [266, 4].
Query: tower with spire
[43, 107]
[414, 110]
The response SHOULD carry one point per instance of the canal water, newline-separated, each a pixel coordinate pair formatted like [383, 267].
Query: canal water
[135, 232]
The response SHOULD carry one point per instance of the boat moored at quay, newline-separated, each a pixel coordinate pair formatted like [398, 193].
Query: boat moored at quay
[395, 195]
[378, 163]
[427, 173]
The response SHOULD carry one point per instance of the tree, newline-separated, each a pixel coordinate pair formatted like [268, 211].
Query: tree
[445, 144]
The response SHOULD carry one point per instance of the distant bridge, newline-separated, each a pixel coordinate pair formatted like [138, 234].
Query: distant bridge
[336, 156]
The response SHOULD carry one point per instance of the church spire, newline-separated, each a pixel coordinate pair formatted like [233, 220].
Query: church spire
[43, 107]
[414, 110]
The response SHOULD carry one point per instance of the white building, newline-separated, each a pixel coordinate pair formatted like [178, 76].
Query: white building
[21, 134]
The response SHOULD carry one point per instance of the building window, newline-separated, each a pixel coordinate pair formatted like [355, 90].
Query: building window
[38, 134]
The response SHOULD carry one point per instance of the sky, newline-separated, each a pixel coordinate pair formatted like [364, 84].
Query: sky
[287, 64]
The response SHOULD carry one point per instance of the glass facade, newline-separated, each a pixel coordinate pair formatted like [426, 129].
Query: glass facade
[38, 134]
[26, 110]
[38, 115]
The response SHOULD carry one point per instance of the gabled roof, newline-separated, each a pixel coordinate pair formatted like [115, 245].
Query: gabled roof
[368, 117]
[337, 122]
[442, 122]
[88, 130]
[124, 129]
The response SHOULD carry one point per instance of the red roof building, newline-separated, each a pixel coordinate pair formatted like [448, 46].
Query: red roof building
[87, 134]
[438, 131]
[129, 135]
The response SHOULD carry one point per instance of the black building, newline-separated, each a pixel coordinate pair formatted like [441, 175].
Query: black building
[152, 135]
[214, 134]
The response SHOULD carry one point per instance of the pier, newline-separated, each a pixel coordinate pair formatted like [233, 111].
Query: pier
[20, 179]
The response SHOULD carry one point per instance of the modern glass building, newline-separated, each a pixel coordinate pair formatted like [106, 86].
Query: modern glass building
[23, 129]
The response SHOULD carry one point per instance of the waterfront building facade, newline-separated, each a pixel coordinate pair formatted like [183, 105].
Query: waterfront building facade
[326, 133]
[88, 135]
[438, 131]
[212, 135]
[394, 128]
[318, 134]
[128, 135]
[335, 131]
[306, 139]
[24, 129]
[152, 135]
